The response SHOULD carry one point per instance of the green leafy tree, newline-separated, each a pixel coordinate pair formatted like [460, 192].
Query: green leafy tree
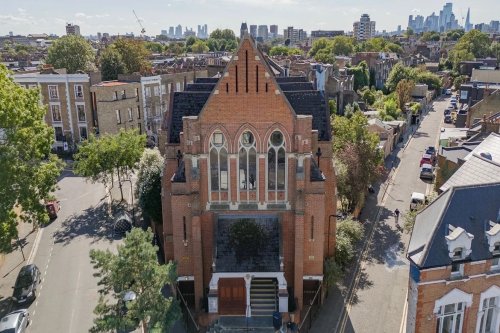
[324, 56]
[279, 51]
[111, 64]
[134, 55]
[473, 44]
[333, 272]
[332, 105]
[199, 47]
[398, 72]
[110, 157]
[154, 47]
[71, 52]
[134, 268]
[176, 48]
[495, 51]
[358, 157]
[28, 171]
[430, 36]
[342, 45]
[409, 32]
[348, 233]
[454, 34]
[222, 40]
[148, 184]
[189, 42]
[430, 79]
[403, 92]
[457, 82]
[368, 96]
[391, 110]
[320, 44]
[361, 75]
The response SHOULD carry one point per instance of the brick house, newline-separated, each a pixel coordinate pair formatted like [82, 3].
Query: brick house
[67, 97]
[454, 254]
[248, 149]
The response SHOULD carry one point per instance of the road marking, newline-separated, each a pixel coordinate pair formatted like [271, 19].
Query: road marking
[402, 327]
[34, 249]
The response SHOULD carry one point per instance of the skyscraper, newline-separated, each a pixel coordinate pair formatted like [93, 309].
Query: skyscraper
[273, 31]
[72, 29]
[178, 31]
[263, 32]
[253, 30]
[171, 32]
[445, 16]
[468, 25]
[364, 28]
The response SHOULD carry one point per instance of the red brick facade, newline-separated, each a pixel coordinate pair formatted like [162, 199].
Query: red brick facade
[248, 98]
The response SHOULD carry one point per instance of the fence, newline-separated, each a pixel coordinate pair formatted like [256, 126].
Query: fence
[310, 311]
[187, 316]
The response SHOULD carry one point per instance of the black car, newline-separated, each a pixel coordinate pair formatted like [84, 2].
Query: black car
[26, 283]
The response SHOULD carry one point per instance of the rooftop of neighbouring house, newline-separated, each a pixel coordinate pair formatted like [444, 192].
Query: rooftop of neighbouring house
[470, 207]
[111, 83]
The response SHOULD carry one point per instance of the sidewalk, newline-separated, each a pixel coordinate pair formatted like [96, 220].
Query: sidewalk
[12, 263]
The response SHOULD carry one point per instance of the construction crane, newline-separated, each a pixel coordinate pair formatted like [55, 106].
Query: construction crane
[143, 31]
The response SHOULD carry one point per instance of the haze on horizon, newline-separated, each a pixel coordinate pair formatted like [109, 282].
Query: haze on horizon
[113, 16]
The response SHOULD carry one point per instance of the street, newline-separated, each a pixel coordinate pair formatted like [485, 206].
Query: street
[373, 297]
[68, 292]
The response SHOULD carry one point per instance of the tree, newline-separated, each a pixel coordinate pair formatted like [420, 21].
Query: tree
[348, 233]
[199, 47]
[222, 40]
[148, 184]
[358, 157]
[279, 51]
[361, 75]
[398, 72]
[391, 110]
[176, 48]
[71, 52]
[404, 89]
[154, 47]
[473, 44]
[342, 45]
[190, 41]
[134, 55]
[368, 96]
[28, 171]
[409, 32]
[430, 79]
[457, 82]
[134, 268]
[319, 44]
[109, 156]
[324, 56]
[111, 64]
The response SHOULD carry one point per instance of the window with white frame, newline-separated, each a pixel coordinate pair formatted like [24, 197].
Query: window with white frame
[130, 114]
[457, 269]
[177, 86]
[450, 318]
[276, 162]
[53, 92]
[488, 314]
[218, 162]
[83, 133]
[80, 110]
[118, 117]
[156, 90]
[169, 87]
[247, 162]
[148, 91]
[78, 91]
[55, 109]
[163, 89]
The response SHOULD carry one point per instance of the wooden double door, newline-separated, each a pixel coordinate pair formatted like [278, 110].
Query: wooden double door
[232, 296]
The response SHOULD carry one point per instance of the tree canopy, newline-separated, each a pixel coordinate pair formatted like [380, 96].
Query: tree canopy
[111, 64]
[134, 55]
[357, 157]
[148, 184]
[28, 171]
[222, 40]
[400, 72]
[361, 75]
[109, 156]
[284, 51]
[71, 52]
[325, 49]
[473, 44]
[134, 268]
[378, 44]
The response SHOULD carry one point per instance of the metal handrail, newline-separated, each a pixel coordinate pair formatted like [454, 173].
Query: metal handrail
[310, 306]
[187, 308]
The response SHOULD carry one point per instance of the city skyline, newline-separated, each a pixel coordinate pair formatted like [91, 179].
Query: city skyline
[29, 16]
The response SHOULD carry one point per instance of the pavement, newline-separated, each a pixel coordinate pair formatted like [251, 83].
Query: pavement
[372, 296]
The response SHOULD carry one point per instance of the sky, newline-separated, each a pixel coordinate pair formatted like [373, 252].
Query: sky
[115, 16]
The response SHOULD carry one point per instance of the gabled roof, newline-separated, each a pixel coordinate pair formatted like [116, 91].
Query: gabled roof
[469, 207]
[477, 170]
[184, 104]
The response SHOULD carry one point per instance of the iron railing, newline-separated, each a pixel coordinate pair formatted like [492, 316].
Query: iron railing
[188, 318]
[311, 311]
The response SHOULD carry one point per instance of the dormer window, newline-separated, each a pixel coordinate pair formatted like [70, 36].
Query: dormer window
[493, 236]
[496, 248]
[459, 242]
[457, 253]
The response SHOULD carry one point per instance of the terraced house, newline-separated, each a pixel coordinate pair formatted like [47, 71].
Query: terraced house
[249, 196]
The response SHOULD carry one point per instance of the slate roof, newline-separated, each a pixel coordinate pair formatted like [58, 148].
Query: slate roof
[477, 170]
[470, 207]
[184, 104]
[267, 259]
[312, 103]
[491, 145]
[454, 154]
[284, 79]
[292, 86]
[206, 80]
[200, 87]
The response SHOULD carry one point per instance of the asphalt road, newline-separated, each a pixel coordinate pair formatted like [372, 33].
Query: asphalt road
[378, 300]
[68, 292]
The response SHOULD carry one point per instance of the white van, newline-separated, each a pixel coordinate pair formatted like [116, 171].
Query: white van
[417, 199]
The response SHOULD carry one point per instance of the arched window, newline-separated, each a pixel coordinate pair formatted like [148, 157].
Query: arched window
[276, 162]
[247, 162]
[218, 162]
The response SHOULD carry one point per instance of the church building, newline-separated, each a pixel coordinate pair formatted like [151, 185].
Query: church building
[248, 191]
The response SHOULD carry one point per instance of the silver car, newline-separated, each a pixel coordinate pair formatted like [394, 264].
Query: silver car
[427, 171]
[15, 322]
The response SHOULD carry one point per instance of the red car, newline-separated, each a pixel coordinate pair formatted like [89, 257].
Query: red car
[426, 159]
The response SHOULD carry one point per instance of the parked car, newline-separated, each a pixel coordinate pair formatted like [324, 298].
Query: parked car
[416, 200]
[462, 112]
[15, 322]
[448, 119]
[27, 281]
[427, 171]
[426, 159]
[447, 111]
[448, 92]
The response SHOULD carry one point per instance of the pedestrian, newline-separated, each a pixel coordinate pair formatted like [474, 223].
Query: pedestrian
[396, 213]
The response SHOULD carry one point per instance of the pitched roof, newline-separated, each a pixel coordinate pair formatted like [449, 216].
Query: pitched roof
[294, 86]
[469, 207]
[184, 104]
[477, 170]
[489, 145]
